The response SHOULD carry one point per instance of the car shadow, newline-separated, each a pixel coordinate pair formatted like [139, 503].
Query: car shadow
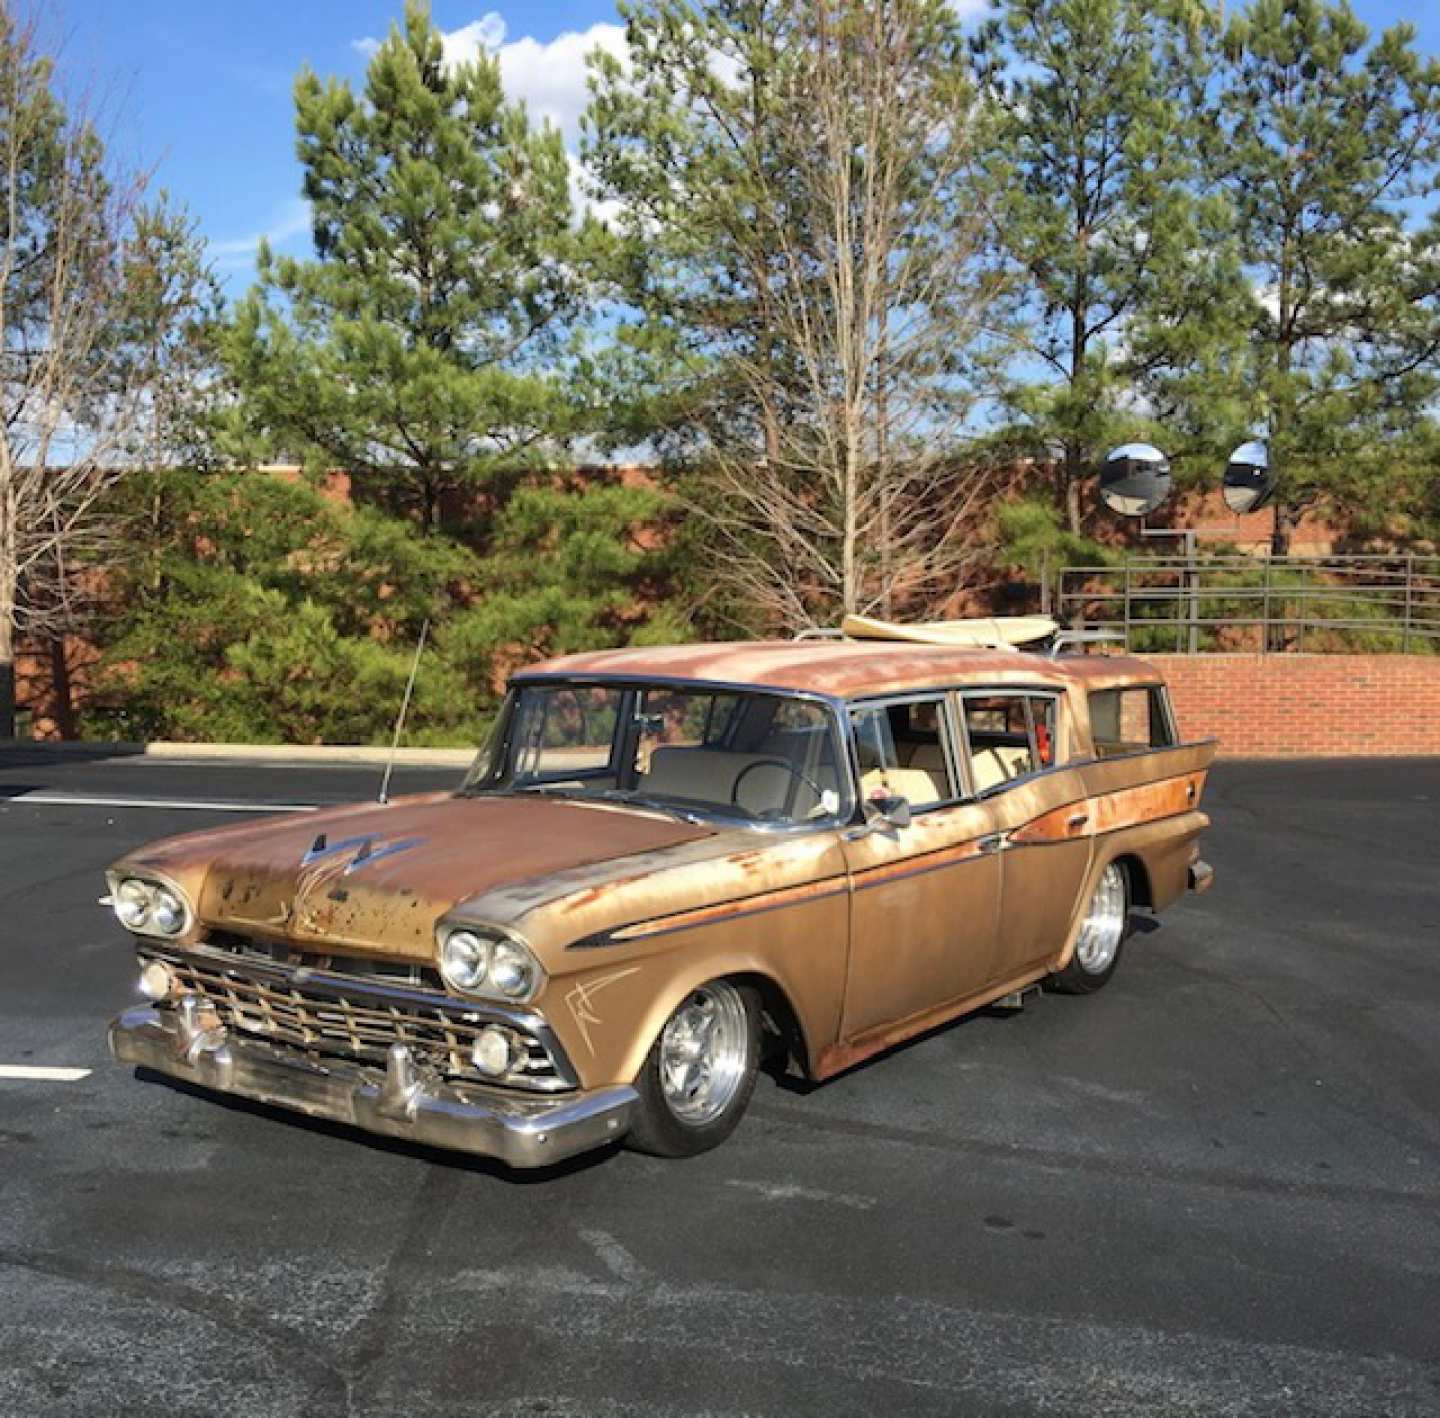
[376, 1142]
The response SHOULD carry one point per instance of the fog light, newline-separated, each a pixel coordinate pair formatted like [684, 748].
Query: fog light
[491, 1052]
[155, 980]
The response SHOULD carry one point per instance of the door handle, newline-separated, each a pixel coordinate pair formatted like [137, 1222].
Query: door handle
[1078, 821]
[995, 842]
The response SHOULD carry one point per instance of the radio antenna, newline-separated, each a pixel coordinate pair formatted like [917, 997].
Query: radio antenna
[404, 710]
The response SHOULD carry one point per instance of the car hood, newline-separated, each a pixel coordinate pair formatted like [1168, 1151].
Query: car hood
[374, 879]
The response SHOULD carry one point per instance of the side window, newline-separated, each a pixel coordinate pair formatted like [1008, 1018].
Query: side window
[1129, 720]
[903, 751]
[1010, 736]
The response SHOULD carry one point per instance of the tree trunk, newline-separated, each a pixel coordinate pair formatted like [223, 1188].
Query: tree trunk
[1287, 518]
[62, 692]
[7, 670]
[849, 559]
[1073, 507]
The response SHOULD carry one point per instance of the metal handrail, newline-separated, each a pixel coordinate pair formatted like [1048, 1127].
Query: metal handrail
[1194, 602]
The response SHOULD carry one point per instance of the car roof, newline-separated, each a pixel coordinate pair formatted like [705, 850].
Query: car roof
[844, 668]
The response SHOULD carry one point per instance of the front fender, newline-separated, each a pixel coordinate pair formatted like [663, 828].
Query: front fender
[609, 1010]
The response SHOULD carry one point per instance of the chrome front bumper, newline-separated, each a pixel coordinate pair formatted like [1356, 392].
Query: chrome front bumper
[519, 1130]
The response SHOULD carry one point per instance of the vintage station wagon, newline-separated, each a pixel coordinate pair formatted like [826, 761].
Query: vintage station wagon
[666, 864]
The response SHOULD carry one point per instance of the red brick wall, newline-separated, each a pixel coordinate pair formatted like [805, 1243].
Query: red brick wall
[1291, 706]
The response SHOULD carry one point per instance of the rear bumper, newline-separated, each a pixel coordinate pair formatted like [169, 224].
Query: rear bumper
[521, 1131]
[1202, 875]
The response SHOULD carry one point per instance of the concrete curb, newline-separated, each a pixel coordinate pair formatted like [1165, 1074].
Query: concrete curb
[250, 753]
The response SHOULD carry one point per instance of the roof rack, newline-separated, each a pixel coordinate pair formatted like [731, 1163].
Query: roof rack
[1062, 640]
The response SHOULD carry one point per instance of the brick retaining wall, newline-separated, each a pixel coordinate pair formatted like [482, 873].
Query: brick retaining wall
[1294, 706]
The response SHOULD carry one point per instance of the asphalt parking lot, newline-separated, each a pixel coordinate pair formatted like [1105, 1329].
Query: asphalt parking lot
[1213, 1188]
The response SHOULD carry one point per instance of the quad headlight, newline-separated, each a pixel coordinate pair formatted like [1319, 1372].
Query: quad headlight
[149, 907]
[478, 963]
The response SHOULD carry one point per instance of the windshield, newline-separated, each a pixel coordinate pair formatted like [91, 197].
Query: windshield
[758, 757]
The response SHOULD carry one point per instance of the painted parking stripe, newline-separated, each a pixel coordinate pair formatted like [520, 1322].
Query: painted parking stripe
[43, 1075]
[174, 804]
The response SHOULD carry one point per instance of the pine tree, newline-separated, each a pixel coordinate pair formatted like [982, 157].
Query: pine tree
[433, 349]
[423, 348]
[1115, 258]
[1328, 147]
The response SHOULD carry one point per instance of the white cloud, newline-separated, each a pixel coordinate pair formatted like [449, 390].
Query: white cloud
[488, 32]
[238, 252]
[548, 75]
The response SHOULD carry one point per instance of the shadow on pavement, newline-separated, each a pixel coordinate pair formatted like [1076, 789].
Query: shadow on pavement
[398, 1147]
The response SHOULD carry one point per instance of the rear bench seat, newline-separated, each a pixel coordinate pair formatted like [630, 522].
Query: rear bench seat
[988, 766]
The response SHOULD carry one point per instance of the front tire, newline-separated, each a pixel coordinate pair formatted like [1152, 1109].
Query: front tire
[1101, 941]
[700, 1073]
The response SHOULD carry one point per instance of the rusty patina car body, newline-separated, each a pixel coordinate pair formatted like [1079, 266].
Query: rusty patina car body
[304, 967]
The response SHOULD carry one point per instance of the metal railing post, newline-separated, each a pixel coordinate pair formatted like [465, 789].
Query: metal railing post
[1265, 608]
[1127, 604]
[1301, 610]
[1192, 597]
[1409, 602]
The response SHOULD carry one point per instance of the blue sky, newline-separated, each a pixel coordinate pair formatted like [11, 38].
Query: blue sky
[200, 89]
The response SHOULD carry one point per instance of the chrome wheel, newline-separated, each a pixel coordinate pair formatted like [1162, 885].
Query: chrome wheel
[1104, 926]
[704, 1053]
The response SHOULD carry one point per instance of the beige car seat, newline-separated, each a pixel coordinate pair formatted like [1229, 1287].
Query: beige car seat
[992, 766]
[708, 775]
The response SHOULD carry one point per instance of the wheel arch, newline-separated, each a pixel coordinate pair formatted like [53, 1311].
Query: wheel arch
[780, 1017]
[1137, 876]
[776, 1001]
[1137, 885]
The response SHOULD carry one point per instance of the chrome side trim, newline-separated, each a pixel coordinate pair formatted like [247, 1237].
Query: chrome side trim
[521, 1131]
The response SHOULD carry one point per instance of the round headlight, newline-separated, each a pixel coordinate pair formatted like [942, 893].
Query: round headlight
[132, 903]
[464, 959]
[491, 1052]
[167, 911]
[511, 970]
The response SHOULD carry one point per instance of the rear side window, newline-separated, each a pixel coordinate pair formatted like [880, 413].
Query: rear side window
[1010, 736]
[1130, 720]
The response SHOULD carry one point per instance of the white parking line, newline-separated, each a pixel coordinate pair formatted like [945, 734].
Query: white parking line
[43, 1075]
[76, 800]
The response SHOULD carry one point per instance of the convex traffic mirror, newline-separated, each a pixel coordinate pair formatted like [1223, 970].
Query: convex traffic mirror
[1134, 479]
[1249, 479]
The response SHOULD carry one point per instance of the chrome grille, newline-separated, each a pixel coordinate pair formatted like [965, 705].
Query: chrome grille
[284, 1007]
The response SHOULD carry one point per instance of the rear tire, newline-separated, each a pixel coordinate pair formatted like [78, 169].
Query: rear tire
[1101, 940]
[700, 1073]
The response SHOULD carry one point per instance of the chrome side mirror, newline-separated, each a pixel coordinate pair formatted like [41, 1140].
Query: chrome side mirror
[887, 812]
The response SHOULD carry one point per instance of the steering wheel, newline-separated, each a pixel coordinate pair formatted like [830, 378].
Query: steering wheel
[796, 775]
